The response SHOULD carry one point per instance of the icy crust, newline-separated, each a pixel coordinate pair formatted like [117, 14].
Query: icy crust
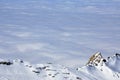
[97, 68]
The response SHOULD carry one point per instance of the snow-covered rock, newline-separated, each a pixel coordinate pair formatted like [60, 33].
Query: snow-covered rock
[103, 69]
[97, 68]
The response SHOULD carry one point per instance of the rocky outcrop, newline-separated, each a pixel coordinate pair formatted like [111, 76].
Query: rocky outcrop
[95, 59]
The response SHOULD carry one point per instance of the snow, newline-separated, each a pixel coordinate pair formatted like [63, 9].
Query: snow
[16, 72]
[103, 70]
[22, 70]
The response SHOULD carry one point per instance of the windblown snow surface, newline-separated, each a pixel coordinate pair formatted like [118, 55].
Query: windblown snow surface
[97, 68]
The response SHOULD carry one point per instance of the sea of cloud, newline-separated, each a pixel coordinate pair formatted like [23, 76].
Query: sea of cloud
[59, 31]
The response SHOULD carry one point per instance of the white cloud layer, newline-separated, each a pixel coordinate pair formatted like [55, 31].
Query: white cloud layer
[61, 31]
[30, 47]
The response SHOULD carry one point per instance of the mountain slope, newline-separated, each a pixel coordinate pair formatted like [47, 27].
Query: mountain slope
[103, 69]
[97, 68]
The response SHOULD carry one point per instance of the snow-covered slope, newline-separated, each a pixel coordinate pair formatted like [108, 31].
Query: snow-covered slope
[103, 69]
[97, 68]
